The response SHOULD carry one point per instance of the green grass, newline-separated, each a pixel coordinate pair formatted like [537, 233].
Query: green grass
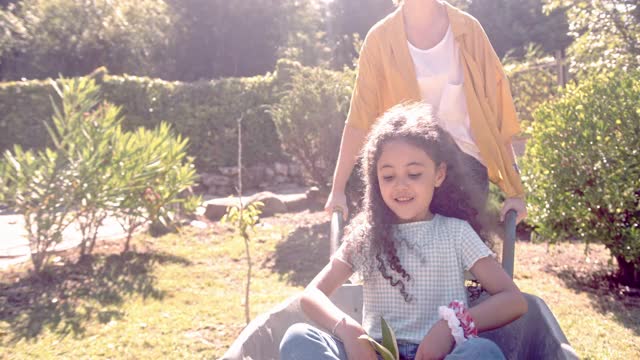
[180, 295]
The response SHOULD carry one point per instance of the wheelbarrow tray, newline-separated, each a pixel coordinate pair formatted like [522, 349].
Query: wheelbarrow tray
[535, 335]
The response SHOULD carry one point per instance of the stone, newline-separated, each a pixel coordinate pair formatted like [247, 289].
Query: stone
[317, 196]
[280, 168]
[295, 170]
[269, 173]
[299, 202]
[252, 176]
[216, 208]
[279, 179]
[228, 170]
[213, 180]
[272, 204]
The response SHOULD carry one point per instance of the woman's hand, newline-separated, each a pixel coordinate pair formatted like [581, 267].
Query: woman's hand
[516, 204]
[337, 199]
[437, 344]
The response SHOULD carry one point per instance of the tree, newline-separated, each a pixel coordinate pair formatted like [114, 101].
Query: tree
[521, 22]
[349, 20]
[221, 38]
[606, 32]
[72, 37]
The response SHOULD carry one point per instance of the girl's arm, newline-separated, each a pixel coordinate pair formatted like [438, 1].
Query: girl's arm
[315, 300]
[505, 305]
[506, 302]
[316, 305]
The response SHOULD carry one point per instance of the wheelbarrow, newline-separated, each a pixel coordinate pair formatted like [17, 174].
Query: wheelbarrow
[535, 335]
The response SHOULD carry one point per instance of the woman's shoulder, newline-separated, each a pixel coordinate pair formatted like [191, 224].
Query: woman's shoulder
[385, 28]
[462, 17]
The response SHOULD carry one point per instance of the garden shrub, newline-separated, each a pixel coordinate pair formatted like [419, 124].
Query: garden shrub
[532, 82]
[310, 116]
[205, 112]
[582, 167]
[94, 169]
[43, 188]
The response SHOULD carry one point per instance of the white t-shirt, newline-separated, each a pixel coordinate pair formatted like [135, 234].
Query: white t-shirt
[440, 79]
[435, 253]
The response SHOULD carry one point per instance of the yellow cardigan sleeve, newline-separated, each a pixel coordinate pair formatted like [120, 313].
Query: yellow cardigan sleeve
[363, 110]
[507, 116]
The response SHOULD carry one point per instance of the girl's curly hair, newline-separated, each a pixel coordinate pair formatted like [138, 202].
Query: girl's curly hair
[458, 196]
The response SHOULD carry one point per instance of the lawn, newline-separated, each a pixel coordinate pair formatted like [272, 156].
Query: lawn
[180, 295]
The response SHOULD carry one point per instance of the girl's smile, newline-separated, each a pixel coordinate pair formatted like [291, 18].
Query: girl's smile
[407, 177]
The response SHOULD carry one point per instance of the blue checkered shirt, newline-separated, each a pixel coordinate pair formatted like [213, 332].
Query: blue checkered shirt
[435, 253]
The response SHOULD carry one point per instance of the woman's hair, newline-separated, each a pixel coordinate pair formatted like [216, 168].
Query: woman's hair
[458, 196]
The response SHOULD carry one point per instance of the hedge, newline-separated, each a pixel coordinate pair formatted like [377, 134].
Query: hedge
[206, 112]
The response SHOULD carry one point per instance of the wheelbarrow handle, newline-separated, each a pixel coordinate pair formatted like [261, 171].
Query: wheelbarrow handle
[509, 245]
[336, 230]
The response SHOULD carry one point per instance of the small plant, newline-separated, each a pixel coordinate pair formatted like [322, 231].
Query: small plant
[389, 347]
[245, 219]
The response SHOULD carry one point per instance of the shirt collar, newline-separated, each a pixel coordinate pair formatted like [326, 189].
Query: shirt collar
[400, 48]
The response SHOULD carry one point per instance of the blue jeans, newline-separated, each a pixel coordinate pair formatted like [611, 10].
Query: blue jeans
[303, 341]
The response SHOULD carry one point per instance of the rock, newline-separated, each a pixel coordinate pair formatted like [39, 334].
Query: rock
[272, 204]
[269, 173]
[295, 170]
[213, 180]
[229, 170]
[224, 190]
[299, 202]
[279, 179]
[280, 168]
[252, 176]
[216, 208]
[317, 196]
[199, 188]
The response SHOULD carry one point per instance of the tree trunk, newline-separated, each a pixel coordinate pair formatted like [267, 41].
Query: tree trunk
[629, 273]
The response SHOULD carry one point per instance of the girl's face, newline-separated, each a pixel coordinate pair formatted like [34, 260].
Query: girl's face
[408, 178]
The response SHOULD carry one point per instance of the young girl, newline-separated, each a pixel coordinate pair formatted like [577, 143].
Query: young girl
[430, 51]
[409, 247]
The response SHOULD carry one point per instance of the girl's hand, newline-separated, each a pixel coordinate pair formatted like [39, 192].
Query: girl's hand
[337, 200]
[516, 204]
[356, 349]
[437, 344]
[359, 349]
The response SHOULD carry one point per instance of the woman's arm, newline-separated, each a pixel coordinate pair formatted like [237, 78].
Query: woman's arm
[516, 203]
[506, 302]
[352, 140]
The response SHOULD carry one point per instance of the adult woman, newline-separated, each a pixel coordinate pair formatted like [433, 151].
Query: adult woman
[428, 50]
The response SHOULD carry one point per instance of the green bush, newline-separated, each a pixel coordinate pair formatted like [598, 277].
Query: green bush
[582, 167]
[43, 188]
[532, 82]
[205, 112]
[83, 133]
[94, 169]
[310, 116]
[153, 165]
